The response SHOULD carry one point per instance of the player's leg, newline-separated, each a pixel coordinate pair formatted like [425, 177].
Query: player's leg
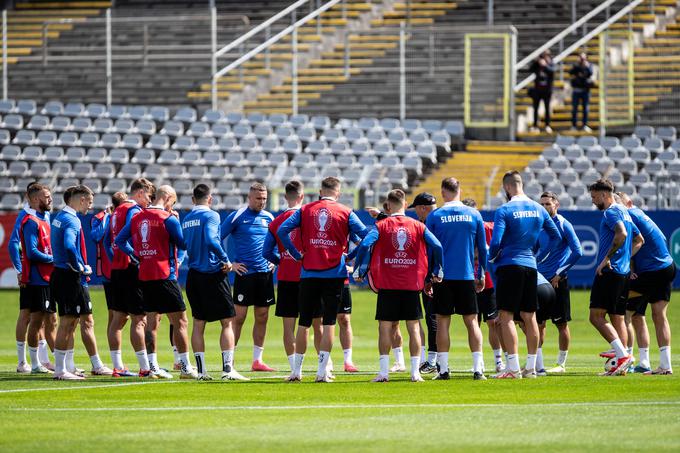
[331, 297]
[198, 346]
[239, 320]
[506, 324]
[114, 334]
[34, 326]
[413, 327]
[90, 343]
[180, 324]
[475, 342]
[397, 349]
[47, 342]
[287, 309]
[289, 338]
[385, 337]
[261, 293]
[641, 333]
[65, 338]
[309, 303]
[560, 317]
[540, 366]
[259, 333]
[443, 344]
[21, 330]
[346, 334]
[430, 365]
[663, 336]
[153, 319]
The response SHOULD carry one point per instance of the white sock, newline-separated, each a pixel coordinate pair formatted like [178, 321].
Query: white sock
[629, 350]
[257, 353]
[422, 354]
[200, 362]
[70, 361]
[539, 360]
[478, 362]
[96, 362]
[618, 348]
[143, 360]
[513, 362]
[117, 359]
[33, 354]
[506, 356]
[59, 361]
[644, 357]
[185, 361]
[398, 356]
[498, 356]
[432, 357]
[291, 362]
[329, 365]
[415, 365]
[153, 361]
[347, 354]
[562, 358]
[227, 360]
[175, 354]
[21, 352]
[665, 357]
[299, 358]
[384, 365]
[443, 361]
[531, 362]
[43, 351]
[323, 363]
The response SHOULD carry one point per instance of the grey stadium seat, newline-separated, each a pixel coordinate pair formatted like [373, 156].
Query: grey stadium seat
[106, 171]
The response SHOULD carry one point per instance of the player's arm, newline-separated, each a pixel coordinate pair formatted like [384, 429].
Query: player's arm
[14, 247]
[285, 229]
[31, 238]
[554, 236]
[227, 226]
[71, 246]
[576, 252]
[174, 229]
[497, 236]
[122, 241]
[620, 235]
[270, 250]
[107, 242]
[212, 238]
[98, 228]
[435, 253]
[638, 241]
[363, 255]
[482, 252]
[356, 226]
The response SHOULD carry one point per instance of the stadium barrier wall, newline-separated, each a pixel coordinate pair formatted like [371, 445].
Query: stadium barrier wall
[586, 225]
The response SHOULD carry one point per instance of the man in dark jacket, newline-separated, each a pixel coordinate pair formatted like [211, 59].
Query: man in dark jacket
[581, 83]
[544, 71]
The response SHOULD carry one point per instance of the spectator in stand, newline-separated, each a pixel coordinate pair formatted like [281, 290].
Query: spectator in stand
[582, 80]
[544, 70]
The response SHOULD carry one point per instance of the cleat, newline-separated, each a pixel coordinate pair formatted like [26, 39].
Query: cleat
[381, 378]
[508, 374]
[49, 366]
[122, 373]
[441, 376]
[500, 366]
[427, 368]
[350, 368]
[548, 130]
[621, 367]
[608, 354]
[557, 369]
[23, 368]
[177, 366]
[160, 373]
[293, 378]
[659, 372]
[204, 377]
[417, 378]
[102, 371]
[541, 372]
[189, 373]
[147, 374]
[477, 376]
[640, 369]
[68, 376]
[259, 365]
[40, 370]
[323, 378]
[529, 374]
[233, 375]
[398, 368]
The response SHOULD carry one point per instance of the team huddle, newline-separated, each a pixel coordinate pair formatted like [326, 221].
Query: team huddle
[512, 271]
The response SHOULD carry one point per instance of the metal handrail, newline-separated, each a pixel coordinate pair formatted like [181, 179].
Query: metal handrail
[587, 37]
[265, 45]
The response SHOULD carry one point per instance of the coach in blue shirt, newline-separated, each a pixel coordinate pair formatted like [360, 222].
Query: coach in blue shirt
[515, 233]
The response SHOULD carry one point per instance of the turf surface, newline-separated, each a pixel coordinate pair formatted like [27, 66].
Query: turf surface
[576, 411]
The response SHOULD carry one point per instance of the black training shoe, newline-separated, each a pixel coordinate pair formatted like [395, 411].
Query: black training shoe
[427, 368]
[477, 376]
[441, 376]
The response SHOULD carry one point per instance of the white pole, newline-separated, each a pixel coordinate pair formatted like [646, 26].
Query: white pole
[4, 54]
[213, 50]
[109, 71]
[402, 71]
[513, 81]
[294, 69]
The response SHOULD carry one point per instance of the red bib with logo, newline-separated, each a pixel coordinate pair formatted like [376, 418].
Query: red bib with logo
[151, 243]
[120, 259]
[45, 269]
[103, 261]
[289, 269]
[324, 228]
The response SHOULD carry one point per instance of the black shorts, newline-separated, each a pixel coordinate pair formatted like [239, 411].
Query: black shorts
[561, 311]
[546, 302]
[609, 293]
[108, 294]
[486, 303]
[287, 299]
[37, 298]
[398, 305]
[209, 296]
[655, 286]
[320, 298]
[345, 307]
[162, 296]
[254, 289]
[516, 289]
[67, 291]
[455, 297]
[127, 293]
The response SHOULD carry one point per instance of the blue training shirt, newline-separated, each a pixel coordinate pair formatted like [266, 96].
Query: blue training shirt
[201, 229]
[566, 253]
[460, 229]
[654, 254]
[65, 239]
[517, 224]
[247, 230]
[32, 252]
[612, 216]
[14, 243]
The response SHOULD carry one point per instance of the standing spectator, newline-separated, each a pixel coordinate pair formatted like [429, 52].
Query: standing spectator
[544, 70]
[581, 83]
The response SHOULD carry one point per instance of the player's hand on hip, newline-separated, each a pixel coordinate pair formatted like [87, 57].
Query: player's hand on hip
[226, 268]
[605, 264]
[633, 276]
[555, 281]
[436, 279]
[239, 268]
[272, 266]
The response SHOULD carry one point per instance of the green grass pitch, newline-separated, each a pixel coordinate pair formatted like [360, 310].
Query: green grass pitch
[577, 411]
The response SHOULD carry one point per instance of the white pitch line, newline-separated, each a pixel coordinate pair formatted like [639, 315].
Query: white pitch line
[84, 387]
[345, 406]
